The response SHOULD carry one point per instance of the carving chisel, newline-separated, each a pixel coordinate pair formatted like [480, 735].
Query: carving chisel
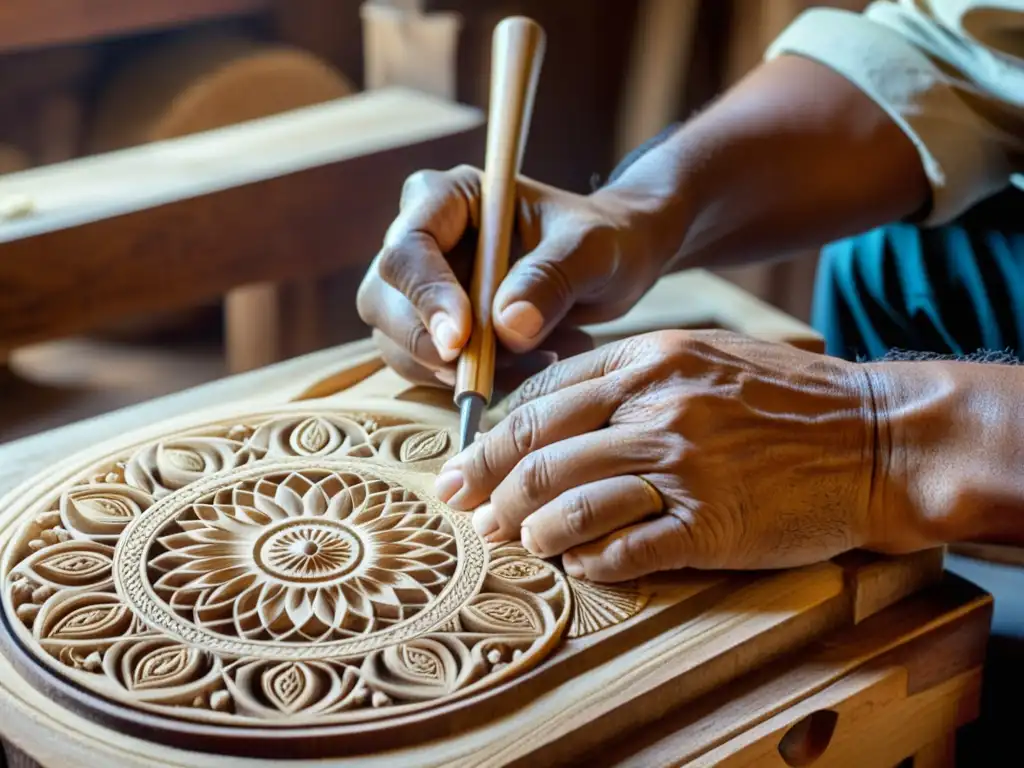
[516, 55]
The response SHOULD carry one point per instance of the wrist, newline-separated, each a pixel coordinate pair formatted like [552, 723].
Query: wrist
[945, 468]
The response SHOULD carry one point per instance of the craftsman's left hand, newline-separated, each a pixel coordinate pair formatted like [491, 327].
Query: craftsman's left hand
[678, 449]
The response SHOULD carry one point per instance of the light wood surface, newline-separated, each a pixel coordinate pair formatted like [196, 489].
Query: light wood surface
[404, 46]
[207, 80]
[689, 299]
[699, 299]
[713, 628]
[517, 53]
[179, 222]
[37, 23]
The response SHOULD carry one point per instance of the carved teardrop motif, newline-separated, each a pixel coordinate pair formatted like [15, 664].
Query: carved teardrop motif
[423, 663]
[99, 507]
[501, 614]
[184, 459]
[517, 570]
[164, 667]
[91, 622]
[289, 686]
[74, 568]
[101, 512]
[426, 445]
[312, 435]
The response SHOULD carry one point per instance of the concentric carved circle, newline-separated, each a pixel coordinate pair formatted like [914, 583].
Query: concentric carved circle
[290, 570]
[200, 563]
[299, 551]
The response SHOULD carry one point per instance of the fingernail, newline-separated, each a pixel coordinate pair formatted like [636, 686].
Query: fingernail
[444, 334]
[572, 565]
[523, 319]
[445, 376]
[529, 543]
[448, 484]
[484, 520]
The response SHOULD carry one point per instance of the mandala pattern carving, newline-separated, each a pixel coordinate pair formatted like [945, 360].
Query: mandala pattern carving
[289, 569]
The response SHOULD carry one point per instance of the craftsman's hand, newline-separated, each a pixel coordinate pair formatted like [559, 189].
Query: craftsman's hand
[678, 449]
[584, 260]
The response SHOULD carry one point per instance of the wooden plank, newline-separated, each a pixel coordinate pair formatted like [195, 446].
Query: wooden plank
[700, 630]
[37, 23]
[933, 638]
[175, 223]
[22, 458]
[700, 299]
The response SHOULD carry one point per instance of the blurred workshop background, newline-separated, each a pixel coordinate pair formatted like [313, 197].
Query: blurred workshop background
[81, 77]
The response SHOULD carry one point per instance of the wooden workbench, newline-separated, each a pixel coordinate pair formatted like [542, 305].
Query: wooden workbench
[861, 661]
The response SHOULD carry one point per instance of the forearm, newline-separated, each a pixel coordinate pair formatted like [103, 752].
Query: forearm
[791, 158]
[950, 450]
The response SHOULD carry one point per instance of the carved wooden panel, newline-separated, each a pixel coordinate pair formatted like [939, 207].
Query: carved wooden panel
[272, 578]
[289, 570]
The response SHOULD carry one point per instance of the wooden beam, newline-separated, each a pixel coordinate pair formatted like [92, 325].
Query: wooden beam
[38, 23]
[175, 223]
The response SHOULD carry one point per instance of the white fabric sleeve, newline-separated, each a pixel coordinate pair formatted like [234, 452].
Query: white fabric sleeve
[952, 95]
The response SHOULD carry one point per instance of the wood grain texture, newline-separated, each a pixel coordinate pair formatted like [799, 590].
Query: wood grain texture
[920, 659]
[37, 23]
[697, 633]
[176, 223]
[700, 299]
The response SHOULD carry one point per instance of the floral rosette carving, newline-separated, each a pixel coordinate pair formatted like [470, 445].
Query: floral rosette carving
[292, 568]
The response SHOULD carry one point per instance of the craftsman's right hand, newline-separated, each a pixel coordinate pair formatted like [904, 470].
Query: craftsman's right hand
[584, 260]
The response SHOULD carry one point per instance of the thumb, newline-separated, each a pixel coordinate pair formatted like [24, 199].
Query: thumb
[543, 286]
[436, 210]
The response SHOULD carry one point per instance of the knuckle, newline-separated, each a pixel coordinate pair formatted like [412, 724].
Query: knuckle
[414, 336]
[484, 459]
[523, 430]
[464, 172]
[416, 183]
[675, 450]
[425, 295]
[365, 307]
[553, 275]
[531, 389]
[633, 554]
[578, 516]
[533, 476]
[393, 265]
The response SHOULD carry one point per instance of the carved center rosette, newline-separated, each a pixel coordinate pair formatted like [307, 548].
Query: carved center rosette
[292, 569]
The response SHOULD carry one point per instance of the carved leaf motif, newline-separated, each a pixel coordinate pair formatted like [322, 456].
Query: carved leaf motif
[517, 570]
[289, 686]
[101, 512]
[184, 459]
[90, 622]
[502, 614]
[424, 446]
[312, 435]
[74, 567]
[163, 668]
[99, 507]
[423, 663]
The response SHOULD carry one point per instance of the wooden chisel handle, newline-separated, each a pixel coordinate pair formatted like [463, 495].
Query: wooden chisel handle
[517, 52]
